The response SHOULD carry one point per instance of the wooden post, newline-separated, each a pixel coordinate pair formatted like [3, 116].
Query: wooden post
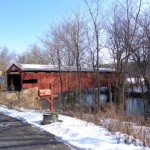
[0, 82]
[0, 88]
[51, 100]
[51, 104]
[110, 94]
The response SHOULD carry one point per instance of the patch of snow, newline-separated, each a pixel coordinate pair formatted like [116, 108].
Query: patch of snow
[136, 85]
[134, 80]
[78, 133]
[138, 89]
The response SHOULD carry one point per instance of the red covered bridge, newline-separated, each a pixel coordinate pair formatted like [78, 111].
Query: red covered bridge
[24, 76]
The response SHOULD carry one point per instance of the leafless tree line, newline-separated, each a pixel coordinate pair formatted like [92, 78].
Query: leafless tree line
[80, 40]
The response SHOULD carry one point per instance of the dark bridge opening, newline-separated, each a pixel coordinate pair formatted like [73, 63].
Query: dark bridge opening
[14, 82]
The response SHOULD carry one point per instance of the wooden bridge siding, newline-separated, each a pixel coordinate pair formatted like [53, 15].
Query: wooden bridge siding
[45, 78]
[107, 78]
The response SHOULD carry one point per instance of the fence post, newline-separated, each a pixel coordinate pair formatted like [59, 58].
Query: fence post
[51, 99]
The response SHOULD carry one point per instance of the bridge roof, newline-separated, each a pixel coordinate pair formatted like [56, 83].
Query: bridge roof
[48, 68]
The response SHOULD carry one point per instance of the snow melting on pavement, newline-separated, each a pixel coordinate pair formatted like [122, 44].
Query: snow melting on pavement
[78, 133]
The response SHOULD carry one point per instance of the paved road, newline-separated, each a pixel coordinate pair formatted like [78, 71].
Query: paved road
[16, 135]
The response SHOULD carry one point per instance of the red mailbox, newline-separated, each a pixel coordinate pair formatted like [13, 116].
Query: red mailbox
[47, 94]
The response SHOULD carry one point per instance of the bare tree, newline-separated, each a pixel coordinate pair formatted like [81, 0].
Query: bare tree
[96, 38]
[141, 55]
[6, 58]
[34, 55]
[67, 41]
[121, 35]
[58, 46]
[76, 42]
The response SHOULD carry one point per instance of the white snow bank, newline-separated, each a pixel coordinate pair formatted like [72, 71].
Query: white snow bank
[78, 133]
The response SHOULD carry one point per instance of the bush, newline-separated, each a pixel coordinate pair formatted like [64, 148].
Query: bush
[55, 114]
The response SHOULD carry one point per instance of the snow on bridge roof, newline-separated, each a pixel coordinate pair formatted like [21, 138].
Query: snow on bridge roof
[38, 67]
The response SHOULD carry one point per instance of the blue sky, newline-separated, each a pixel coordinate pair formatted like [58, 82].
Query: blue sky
[23, 21]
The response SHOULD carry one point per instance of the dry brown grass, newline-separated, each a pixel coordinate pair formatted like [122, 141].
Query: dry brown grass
[27, 98]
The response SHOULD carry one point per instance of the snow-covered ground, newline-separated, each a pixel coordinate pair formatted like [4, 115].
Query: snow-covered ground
[78, 133]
